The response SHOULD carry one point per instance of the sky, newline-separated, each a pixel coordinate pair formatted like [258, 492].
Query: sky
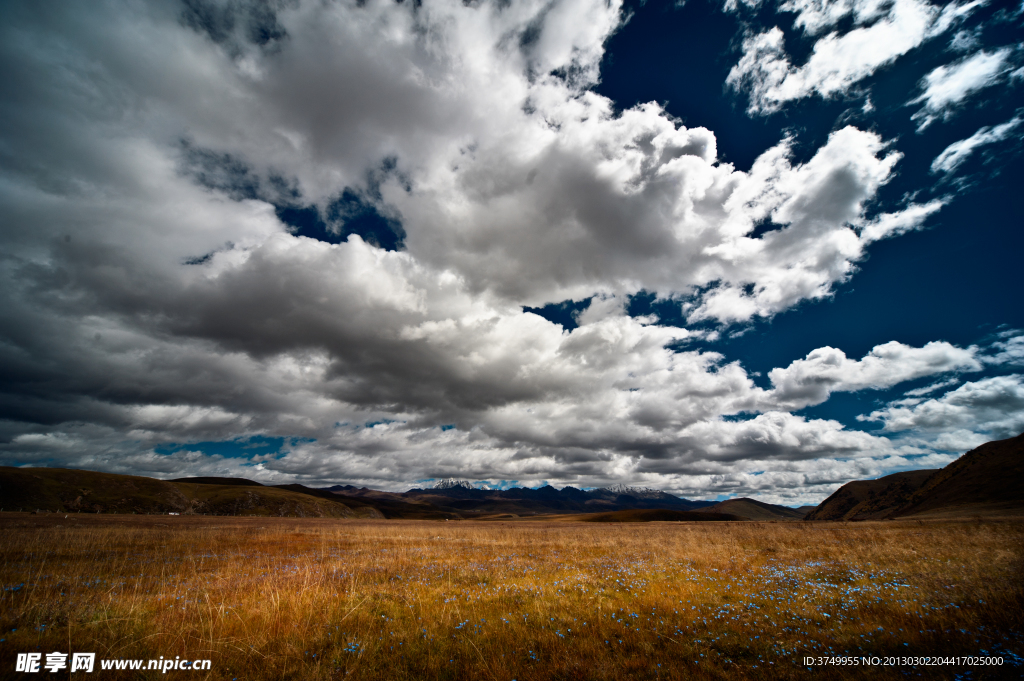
[722, 249]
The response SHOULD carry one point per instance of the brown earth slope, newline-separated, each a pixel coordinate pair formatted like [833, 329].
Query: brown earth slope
[988, 480]
[752, 509]
[75, 491]
[367, 504]
[871, 499]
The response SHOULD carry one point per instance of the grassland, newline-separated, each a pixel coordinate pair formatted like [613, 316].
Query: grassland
[280, 598]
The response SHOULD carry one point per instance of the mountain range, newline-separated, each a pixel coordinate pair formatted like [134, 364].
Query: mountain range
[461, 497]
[987, 481]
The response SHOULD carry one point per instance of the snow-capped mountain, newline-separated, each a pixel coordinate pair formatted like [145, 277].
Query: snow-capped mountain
[452, 483]
[637, 492]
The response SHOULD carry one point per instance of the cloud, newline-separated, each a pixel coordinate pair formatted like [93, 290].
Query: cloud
[734, 5]
[813, 16]
[917, 392]
[526, 186]
[965, 41]
[947, 86]
[819, 207]
[370, 370]
[774, 466]
[1009, 349]
[991, 408]
[153, 295]
[619, 203]
[882, 33]
[958, 152]
[886, 225]
[810, 380]
[837, 62]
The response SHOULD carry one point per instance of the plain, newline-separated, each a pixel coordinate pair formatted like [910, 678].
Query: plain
[286, 598]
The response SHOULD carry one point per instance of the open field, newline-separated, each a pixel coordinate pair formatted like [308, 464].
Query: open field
[272, 598]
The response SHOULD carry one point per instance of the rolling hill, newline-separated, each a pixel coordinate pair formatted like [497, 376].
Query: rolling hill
[986, 481]
[67, 490]
[752, 509]
[871, 499]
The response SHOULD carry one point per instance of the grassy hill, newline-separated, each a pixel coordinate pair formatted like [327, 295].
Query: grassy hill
[752, 509]
[67, 490]
[986, 481]
[385, 504]
[871, 499]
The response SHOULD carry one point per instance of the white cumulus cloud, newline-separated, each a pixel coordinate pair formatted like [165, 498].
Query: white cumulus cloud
[990, 408]
[945, 87]
[882, 33]
[958, 152]
[825, 370]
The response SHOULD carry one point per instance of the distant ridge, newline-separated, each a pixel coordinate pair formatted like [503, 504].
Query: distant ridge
[752, 509]
[239, 482]
[462, 497]
[391, 504]
[986, 481]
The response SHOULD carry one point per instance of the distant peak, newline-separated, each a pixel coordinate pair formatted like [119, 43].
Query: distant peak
[452, 483]
[619, 488]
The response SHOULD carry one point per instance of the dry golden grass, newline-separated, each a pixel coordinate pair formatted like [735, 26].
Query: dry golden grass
[328, 599]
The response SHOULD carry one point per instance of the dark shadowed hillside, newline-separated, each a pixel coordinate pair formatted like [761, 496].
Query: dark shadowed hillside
[75, 491]
[986, 481]
[752, 509]
[871, 499]
[388, 505]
